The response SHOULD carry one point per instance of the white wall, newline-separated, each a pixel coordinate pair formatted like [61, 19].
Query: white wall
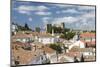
[5, 33]
[77, 43]
[46, 40]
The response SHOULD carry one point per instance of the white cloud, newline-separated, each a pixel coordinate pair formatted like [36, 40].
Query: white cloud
[63, 6]
[58, 12]
[25, 9]
[89, 15]
[86, 8]
[87, 21]
[46, 20]
[30, 19]
[43, 13]
[74, 8]
[42, 8]
[64, 19]
[24, 12]
[84, 21]
[70, 11]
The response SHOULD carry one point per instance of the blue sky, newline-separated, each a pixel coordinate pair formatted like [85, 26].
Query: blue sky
[37, 14]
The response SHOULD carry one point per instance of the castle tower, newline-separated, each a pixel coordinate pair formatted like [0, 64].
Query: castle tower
[62, 25]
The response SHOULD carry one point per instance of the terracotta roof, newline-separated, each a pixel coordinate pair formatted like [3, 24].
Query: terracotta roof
[82, 50]
[22, 35]
[48, 49]
[38, 44]
[87, 34]
[17, 43]
[35, 33]
[73, 54]
[74, 49]
[91, 43]
[45, 35]
[86, 50]
[20, 43]
[41, 34]
[25, 57]
[89, 58]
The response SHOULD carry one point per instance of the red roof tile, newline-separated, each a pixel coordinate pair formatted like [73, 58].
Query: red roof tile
[90, 43]
[22, 35]
[87, 34]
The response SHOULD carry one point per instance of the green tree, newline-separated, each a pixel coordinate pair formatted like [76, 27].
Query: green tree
[57, 29]
[37, 29]
[75, 59]
[68, 36]
[82, 58]
[64, 48]
[66, 30]
[26, 26]
[56, 47]
[23, 28]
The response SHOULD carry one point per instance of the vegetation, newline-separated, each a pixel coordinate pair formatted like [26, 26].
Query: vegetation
[68, 36]
[17, 62]
[37, 29]
[27, 48]
[75, 59]
[57, 29]
[66, 30]
[82, 58]
[26, 27]
[56, 47]
[93, 31]
[22, 28]
[60, 30]
[64, 48]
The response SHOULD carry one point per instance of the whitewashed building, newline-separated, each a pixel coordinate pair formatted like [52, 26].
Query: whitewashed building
[22, 37]
[47, 40]
[80, 44]
[14, 27]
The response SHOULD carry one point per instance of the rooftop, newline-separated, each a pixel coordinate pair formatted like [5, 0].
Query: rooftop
[22, 35]
[48, 49]
[87, 34]
[25, 57]
[77, 49]
[91, 43]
